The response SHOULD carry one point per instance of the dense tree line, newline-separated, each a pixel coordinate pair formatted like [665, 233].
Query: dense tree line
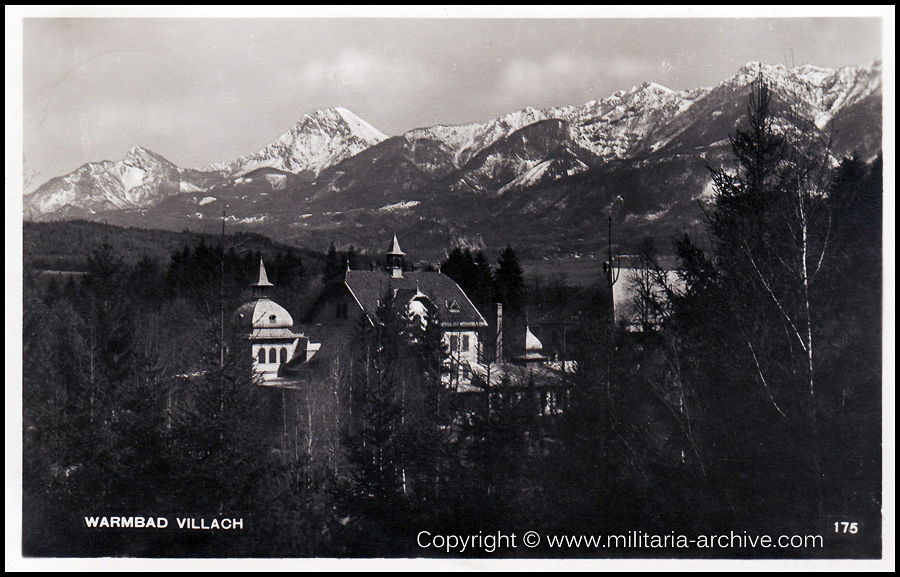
[488, 286]
[772, 346]
[484, 284]
[130, 407]
[336, 262]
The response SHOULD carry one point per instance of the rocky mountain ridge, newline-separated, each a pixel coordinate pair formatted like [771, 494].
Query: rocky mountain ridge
[639, 153]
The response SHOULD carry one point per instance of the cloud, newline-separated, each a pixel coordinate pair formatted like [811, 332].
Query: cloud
[558, 77]
[358, 69]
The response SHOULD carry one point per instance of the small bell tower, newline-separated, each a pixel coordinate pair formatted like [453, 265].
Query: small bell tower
[395, 259]
[262, 285]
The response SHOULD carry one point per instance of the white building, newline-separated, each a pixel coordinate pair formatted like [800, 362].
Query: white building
[268, 326]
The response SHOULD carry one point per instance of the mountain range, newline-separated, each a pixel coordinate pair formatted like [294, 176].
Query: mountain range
[540, 179]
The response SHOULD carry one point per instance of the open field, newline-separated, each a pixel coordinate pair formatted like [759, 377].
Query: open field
[578, 272]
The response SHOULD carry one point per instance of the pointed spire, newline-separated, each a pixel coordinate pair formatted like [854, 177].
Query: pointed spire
[419, 293]
[395, 248]
[395, 259]
[263, 279]
[531, 342]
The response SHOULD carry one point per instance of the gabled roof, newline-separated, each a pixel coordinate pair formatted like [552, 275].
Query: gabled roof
[368, 287]
[405, 299]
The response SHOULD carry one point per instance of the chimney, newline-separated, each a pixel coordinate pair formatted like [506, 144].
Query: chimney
[499, 347]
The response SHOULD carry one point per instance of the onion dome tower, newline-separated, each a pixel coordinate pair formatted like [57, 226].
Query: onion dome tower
[533, 348]
[267, 325]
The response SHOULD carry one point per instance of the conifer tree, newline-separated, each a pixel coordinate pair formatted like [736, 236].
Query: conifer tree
[334, 265]
[746, 336]
[483, 293]
[460, 266]
[374, 444]
[352, 258]
[510, 281]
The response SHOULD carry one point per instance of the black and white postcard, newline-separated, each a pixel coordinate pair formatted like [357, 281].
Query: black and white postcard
[591, 288]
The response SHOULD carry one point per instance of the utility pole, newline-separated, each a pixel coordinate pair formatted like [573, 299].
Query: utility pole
[614, 270]
[222, 295]
[612, 276]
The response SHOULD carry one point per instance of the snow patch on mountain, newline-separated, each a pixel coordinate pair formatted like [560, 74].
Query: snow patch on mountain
[132, 176]
[256, 219]
[466, 140]
[188, 187]
[402, 205]
[360, 127]
[277, 181]
[532, 176]
[709, 191]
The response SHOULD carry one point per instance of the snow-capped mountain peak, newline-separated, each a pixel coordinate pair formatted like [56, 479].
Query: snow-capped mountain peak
[140, 157]
[318, 140]
[515, 152]
[142, 178]
[656, 87]
[137, 150]
[360, 127]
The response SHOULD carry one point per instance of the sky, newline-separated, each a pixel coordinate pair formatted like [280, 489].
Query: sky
[205, 90]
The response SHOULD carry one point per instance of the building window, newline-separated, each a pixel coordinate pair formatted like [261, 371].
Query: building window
[272, 319]
[261, 355]
[273, 355]
[340, 310]
[465, 346]
[283, 354]
[454, 343]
